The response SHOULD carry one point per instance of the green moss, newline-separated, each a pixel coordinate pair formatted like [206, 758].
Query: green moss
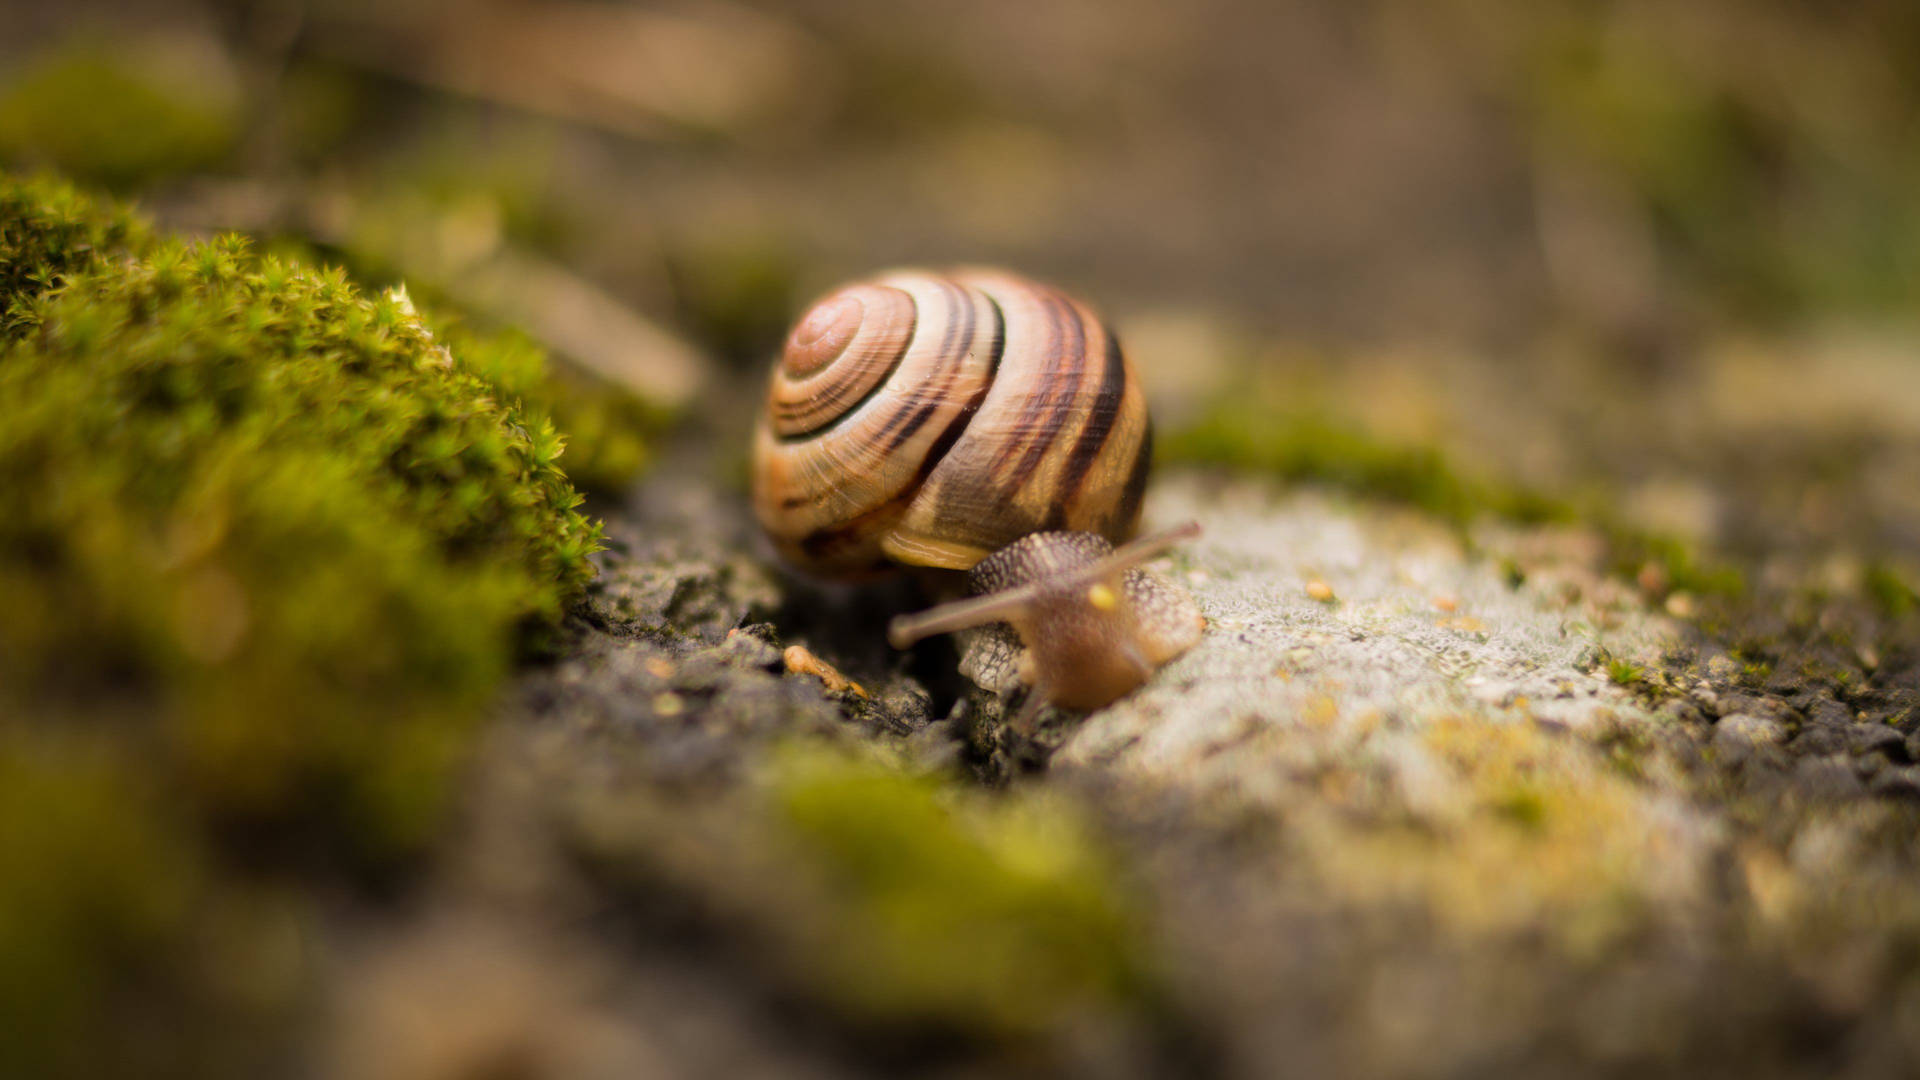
[94, 878]
[1890, 592]
[1309, 447]
[1246, 430]
[1552, 844]
[1524, 806]
[1625, 672]
[47, 231]
[1766, 211]
[319, 107]
[736, 292]
[609, 430]
[1678, 564]
[956, 910]
[269, 548]
[250, 502]
[93, 113]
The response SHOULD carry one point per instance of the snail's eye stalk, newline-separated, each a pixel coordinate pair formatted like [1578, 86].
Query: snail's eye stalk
[1135, 552]
[959, 615]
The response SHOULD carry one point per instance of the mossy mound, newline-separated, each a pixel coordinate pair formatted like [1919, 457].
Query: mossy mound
[100, 112]
[998, 919]
[608, 429]
[1248, 429]
[274, 523]
[47, 231]
[910, 912]
[267, 547]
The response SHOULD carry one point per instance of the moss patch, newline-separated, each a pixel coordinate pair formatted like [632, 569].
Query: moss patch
[956, 910]
[1890, 591]
[94, 881]
[92, 112]
[47, 231]
[1551, 840]
[609, 430]
[242, 501]
[1625, 672]
[1246, 430]
[267, 549]
[910, 909]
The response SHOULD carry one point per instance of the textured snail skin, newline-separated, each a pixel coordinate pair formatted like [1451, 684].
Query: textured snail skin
[1081, 622]
[1082, 653]
[928, 419]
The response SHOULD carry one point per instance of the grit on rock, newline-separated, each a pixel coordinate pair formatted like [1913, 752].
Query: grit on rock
[1417, 805]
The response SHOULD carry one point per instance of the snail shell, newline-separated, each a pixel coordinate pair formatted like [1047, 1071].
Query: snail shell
[929, 419]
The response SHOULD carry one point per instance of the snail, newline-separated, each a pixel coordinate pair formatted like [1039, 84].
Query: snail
[977, 421]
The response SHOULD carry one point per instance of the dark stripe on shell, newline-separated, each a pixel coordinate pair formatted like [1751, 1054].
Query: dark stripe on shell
[999, 346]
[1060, 376]
[1099, 427]
[953, 360]
[956, 427]
[1136, 486]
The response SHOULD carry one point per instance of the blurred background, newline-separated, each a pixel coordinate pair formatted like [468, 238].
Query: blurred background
[1667, 250]
[1647, 264]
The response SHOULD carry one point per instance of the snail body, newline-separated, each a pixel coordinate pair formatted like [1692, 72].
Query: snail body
[977, 421]
[1092, 623]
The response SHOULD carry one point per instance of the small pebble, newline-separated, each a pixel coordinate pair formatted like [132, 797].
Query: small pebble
[1652, 578]
[1876, 739]
[1446, 602]
[660, 667]
[669, 704]
[747, 646]
[801, 662]
[1827, 778]
[1745, 730]
[1320, 591]
[1897, 783]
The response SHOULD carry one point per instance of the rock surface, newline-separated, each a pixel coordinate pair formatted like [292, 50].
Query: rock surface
[1419, 804]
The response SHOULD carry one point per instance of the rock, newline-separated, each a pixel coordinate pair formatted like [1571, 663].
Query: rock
[1817, 741]
[1876, 739]
[1744, 730]
[1722, 668]
[755, 645]
[1897, 783]
[1281, 680]
[1762, 705]
[1830, 777]
[1683, 712]
[1827, 712]
[1465, 835]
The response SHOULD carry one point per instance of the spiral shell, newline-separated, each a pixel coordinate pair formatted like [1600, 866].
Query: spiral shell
[930, 419]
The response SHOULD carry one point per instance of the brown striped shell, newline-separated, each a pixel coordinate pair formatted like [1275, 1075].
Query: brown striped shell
[929, 419]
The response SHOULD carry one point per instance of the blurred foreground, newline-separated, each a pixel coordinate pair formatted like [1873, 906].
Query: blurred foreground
[1545, 375]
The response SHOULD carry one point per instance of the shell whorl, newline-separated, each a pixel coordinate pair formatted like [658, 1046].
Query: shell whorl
[929, 419]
